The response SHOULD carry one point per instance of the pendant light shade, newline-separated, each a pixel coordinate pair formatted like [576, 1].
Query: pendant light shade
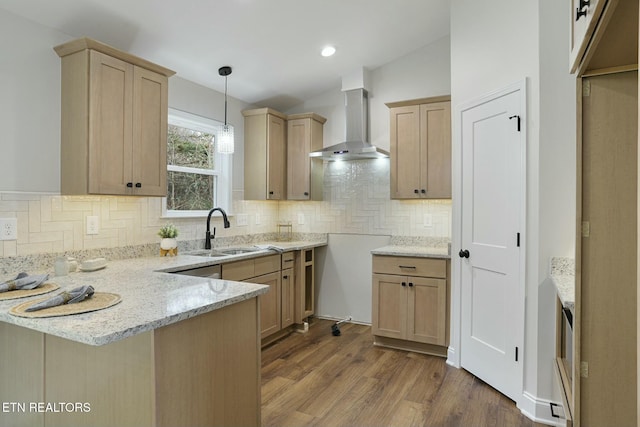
[225, 139]
[225, 143]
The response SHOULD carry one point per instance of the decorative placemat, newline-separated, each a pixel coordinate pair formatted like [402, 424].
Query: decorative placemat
[98, 301]
[23, 293]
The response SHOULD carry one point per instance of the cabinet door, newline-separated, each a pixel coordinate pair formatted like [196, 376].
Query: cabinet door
[287, 292]
[149, 133]
[270, 303]
[405, 152]
[435, 150]
[110, 124]
[427, 310]
[582, 27]
[389, 312]
[276, 158]
[298, 161]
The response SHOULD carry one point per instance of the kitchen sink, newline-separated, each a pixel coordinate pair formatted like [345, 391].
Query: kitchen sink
[206, 252]
[234, 251]
[216, 253]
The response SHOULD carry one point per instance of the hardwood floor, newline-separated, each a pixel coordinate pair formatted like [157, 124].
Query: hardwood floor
[316, 379]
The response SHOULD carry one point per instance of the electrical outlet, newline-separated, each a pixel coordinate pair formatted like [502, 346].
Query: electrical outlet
[257, 219]
[93, 225]
[241, 220]
[428, 220]
[300, 218]
[8, 228]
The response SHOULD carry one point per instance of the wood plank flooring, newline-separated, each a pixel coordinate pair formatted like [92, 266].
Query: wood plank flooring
[316, 379]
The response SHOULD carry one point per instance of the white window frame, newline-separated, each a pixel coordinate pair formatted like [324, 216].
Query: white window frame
[223, 162]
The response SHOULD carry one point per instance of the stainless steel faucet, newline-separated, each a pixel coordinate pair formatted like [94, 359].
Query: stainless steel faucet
[208, 237]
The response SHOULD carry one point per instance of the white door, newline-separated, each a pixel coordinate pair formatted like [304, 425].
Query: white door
[492, 284]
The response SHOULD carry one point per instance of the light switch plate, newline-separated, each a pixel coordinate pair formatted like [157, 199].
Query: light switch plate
[300, 218]
[8, 228]
[257, 219]
[428, 220]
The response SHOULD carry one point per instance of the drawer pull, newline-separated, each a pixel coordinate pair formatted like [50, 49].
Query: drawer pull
[413, 267]
[287, 260]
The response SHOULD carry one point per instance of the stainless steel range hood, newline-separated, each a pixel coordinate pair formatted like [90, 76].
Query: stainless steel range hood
[356, 146]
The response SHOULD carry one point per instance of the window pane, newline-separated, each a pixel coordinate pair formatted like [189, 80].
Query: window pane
[189, 191]
[187, 147]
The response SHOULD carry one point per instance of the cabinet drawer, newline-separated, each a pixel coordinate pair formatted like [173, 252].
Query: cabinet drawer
[246, 269]
[267, 264]
[410, 266]
[239, 270]
[287, 260]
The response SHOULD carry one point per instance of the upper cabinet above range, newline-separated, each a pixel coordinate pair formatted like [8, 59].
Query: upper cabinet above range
[421, 148]
[114, 121]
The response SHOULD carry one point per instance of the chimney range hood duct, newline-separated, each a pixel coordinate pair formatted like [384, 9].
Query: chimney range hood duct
[356, 146]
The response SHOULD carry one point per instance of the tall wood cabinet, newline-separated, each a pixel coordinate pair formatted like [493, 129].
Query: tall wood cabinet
[421, 148]
[114, 121]
[603, 387]
[265, 154]
[304, 174]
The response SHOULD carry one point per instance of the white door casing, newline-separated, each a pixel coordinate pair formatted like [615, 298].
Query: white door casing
[493, 136]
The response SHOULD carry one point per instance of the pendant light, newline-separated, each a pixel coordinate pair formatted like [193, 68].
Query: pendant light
[225, 137]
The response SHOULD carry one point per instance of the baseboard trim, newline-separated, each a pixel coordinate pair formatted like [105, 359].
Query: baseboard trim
[539, 410]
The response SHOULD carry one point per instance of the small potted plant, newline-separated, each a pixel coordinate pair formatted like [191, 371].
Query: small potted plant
[168, 233]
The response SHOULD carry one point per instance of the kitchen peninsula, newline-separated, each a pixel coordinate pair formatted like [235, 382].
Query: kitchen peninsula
[177, 350]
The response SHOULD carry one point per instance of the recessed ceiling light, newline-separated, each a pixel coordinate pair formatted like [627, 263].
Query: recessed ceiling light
[328, 51]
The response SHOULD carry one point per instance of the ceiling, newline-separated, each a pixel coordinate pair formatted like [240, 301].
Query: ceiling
[273, 46]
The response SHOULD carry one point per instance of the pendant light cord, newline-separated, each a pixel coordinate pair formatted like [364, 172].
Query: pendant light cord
[225, 100]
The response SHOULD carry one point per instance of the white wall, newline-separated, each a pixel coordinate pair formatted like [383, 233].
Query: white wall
[493, 45]
[421, 74]
[29, 105]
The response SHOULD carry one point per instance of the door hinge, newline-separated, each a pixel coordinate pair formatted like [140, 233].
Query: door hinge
[516, 354]
[586, 88]
[516, 117]
[518, 239]
[586, 229]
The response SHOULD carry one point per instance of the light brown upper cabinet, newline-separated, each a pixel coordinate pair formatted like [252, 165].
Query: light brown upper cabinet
[421, 148]
[114, 121]
[265, 154]
[604, 36]
[304, 174]
[584, 16]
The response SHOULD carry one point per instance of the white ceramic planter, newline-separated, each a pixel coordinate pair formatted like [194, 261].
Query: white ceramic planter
[168, 243]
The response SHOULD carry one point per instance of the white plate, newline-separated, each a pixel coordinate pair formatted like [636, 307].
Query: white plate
[93, 264]
[87, 269]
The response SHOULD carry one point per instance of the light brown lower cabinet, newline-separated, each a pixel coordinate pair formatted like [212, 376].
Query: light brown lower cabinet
[410, 309]
[277, 308]
[201, 371]
[270, 303]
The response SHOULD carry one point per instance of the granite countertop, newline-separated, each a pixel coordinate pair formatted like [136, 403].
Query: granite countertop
[151, 296]
[413, 251]
[563, 277]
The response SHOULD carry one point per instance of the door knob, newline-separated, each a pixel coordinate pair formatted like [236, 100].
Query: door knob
[463, 253]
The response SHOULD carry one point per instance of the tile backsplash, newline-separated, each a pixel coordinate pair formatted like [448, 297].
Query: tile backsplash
[356, 200]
